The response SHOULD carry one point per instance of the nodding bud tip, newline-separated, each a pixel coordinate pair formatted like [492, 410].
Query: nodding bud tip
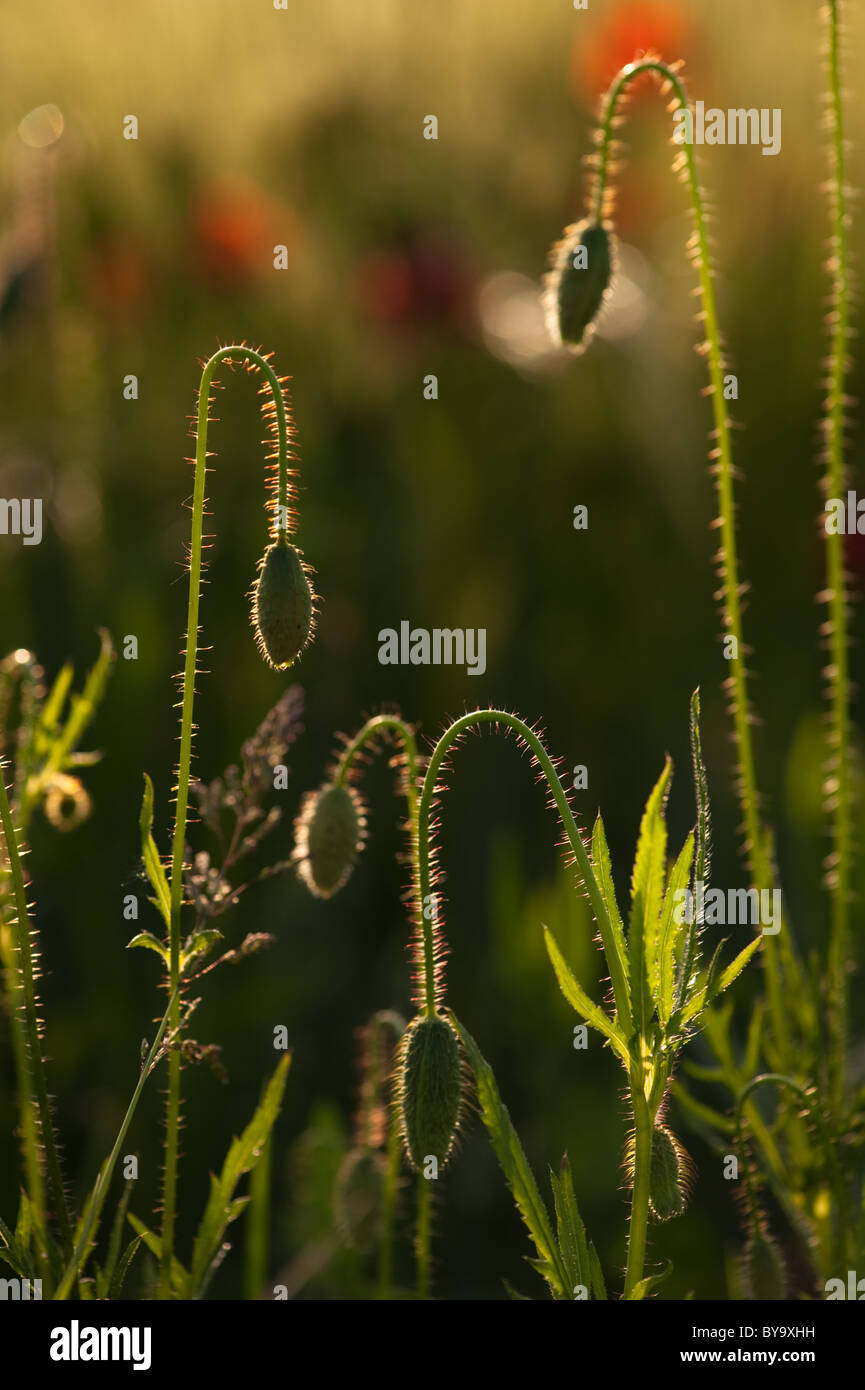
[429, 1089]
[578, 283]
[763, 1269]
[329, 834]
[282, 605]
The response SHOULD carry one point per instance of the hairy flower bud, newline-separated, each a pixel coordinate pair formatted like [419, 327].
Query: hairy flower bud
[429, 1089]
[577, 283]
[328, 837]
[671, 1175]
[282, 605]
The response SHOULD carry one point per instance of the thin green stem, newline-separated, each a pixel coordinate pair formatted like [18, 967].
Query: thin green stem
[26, 977]
[638, 1225]
[100, 1191]
[839, 787]
[238, 353]
[391, 1191]
[757, 841]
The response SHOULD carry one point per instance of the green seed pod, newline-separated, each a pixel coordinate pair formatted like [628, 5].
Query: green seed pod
[359, 1198]
[670, 1176]
[577, 284]
[282, 605]
[429, 1089]
[328, 838]
[764, 1275]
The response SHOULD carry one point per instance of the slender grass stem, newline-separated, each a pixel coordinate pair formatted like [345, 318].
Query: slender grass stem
[26, 977]
[281, 526]
[758, 845]
[839, 786]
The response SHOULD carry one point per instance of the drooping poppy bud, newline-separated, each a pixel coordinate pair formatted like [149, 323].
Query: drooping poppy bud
[429, 1089]
[282, 605]
[671, 1175]
[577, 283]
[328, 838]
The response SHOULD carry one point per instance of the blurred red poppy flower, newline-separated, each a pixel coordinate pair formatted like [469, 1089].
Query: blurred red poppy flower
[235, 226]
[627, 28]
[420, 280]
[120, 274]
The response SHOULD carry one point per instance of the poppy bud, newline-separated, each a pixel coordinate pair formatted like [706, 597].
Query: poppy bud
[670, 1175]
[577, 283]
[429, 1089]
[328, 837]
[282, 605]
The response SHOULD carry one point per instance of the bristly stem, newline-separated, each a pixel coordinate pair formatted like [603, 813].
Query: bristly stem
[423, 1237]
[280, 526]
[758, 845]
[638, 1225]
[26, 977]
[430, 981]
[838, 786]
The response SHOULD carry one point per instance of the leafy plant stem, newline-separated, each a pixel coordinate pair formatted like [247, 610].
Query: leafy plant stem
[639, 1218]
[24, 963]
[280, 521]
[757, 842]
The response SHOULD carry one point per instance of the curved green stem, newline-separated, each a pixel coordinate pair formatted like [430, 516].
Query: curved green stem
[426, 925]
[841, 1222]
[839, 786]
[26, 976]
[280, 524]
[757, 841]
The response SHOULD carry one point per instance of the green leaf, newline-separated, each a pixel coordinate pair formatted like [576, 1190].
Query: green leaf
[671, 931]
[619, 966]
[198, 945]
[146, 938]
[570, 1229]
[18, 1260]
[123, 1265]
[651, 1281]
[179, 1275]
[222, 1208]
[599, 1288]
[702, 853]
[647, 887]
[579, 1000]
[51, 710]
[515, 1166]
[150, 854]
[712, 990]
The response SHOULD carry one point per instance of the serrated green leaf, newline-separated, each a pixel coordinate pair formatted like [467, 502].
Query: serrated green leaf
[579, 1000]
[179, 1275]
[619, 966]
[243, 1154]
[123, 1266]
[647, 888]
[147, 939]
[599, 1287]
[671, 932]
[706, 995]
[199, 944]
[569, 1227]
[651, 1281]
[515, 1166]
[150, 854]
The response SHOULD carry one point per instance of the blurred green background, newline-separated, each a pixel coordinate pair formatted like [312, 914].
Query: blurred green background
[405, 257]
